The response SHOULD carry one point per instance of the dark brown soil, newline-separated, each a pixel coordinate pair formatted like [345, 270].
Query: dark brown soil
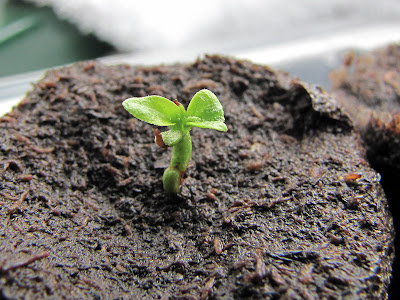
[282, 205]
[368, 86]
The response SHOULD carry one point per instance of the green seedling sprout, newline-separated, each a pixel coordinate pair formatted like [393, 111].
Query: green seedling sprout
[204, 111]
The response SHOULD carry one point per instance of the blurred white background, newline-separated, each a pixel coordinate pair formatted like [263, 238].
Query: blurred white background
[175, 24]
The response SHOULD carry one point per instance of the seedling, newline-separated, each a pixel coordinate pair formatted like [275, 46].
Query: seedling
[204, 111]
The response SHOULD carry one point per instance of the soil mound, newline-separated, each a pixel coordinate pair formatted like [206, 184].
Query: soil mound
[282, 205]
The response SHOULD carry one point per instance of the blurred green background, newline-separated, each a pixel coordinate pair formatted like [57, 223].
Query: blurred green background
[34, 38]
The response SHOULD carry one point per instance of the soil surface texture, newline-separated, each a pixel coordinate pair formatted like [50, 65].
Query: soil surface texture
[368, 86]
[283, 205]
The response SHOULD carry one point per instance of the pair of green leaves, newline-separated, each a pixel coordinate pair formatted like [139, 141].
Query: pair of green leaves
[204, 111]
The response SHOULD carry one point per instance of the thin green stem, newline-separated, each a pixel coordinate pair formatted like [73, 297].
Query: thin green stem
[181, 154]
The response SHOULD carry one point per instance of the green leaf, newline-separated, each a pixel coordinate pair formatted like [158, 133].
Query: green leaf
[205, 111]
[216, 125]
[154, 109]
[172, 137]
